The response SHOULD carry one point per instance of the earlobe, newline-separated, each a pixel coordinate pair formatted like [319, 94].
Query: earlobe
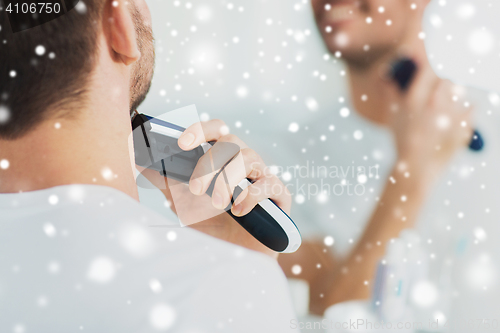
[123, 38]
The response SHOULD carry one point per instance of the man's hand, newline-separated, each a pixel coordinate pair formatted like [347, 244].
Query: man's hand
[197, 209]
[430, 123]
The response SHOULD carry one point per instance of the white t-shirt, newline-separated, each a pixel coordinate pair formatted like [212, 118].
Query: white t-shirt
[89, 258]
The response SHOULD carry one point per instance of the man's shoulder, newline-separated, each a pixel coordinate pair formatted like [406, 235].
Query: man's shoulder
[100, 213]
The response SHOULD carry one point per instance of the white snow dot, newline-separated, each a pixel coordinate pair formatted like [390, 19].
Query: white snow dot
[54, 267]
[80, 7]
[358, 135]
[328, 240]
[312, 104]
[388, 22]
[480, 234]
[19, 328]
[203, 13]
[296, 269]
[322, 197]
[369, 20]
[362, 178]
[4, 114]
[174, 33]
[4, 164]
[40, 50]
[424, 294]
[341, 39]
[136, 240]
[494, 99]
[49, 229]
[101, 270]
[344, 112]
[162, 316]
[436, 21]
[287, 176]
[242, 91]
[171, 236]
[481, 41]
[107, 174]
[293, 127]
[300, 199]
[53, 199]
[12, 73]
[443, 121]
[466, 11]
[204, 116]
[155, 286]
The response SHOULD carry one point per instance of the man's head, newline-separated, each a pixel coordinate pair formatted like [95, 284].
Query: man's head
[46, 71]
[364, 30]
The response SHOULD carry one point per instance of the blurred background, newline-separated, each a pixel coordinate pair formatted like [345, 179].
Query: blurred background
[260, 66]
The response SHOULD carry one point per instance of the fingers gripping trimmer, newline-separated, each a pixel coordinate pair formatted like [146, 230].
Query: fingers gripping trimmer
[266, 222]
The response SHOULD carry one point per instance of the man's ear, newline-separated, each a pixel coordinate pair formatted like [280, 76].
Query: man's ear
[122, 37]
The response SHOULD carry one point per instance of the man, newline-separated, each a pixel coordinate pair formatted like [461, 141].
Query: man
[78, 251]
[427, 125]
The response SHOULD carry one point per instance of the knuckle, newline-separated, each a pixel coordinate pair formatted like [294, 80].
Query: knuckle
[217, 122]
[229, 138]
[250, 155]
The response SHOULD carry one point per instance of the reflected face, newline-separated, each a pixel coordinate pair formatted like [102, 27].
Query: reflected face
[143, 68]
[362, 29]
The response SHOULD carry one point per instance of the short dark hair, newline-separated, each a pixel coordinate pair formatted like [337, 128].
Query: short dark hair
[34, 85]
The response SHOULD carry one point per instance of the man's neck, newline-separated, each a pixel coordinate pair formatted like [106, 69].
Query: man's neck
[94, 147]
[369, 96]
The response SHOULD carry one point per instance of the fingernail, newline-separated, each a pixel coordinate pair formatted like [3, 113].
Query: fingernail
[237, 209]
[217, 201]
[196, 186]
[186, 139]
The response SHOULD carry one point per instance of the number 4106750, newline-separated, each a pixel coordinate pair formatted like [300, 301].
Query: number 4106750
[40, 8]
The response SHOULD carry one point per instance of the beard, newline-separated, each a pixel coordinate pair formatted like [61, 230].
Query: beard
[142, 71]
